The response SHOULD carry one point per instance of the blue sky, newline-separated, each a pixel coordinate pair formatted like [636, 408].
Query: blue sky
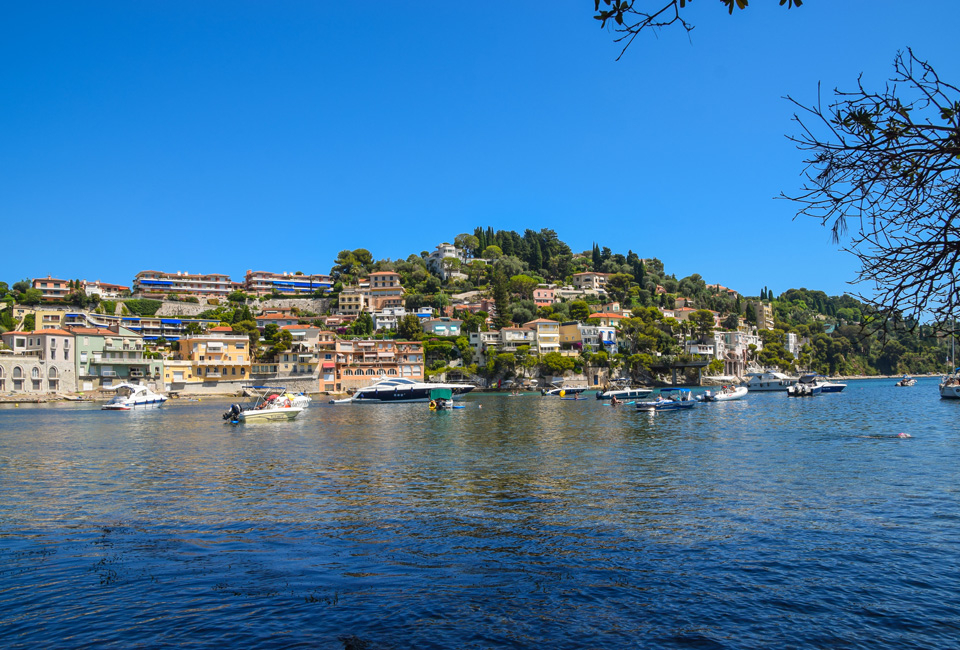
[222, 136]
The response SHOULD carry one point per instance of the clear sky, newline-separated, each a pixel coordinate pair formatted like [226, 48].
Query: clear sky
[226, 136]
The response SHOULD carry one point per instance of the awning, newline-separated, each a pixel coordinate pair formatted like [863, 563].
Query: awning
[329, 364]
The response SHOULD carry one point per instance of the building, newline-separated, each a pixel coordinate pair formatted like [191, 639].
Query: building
[362, 362]
[435, 261]
[544, 295]
[579, 336]
[208, 359]
[151, 328]
[104, 290]
[159, 284]
[52, 289]
[733, 348]
[590, 281]
[442, 326]
[764, 314]
[278, 319]
[607, 319]
[385, 291]
[548, 335]
[109, 356]
[792, 344]
[261, 283]
[38, 362]
[351, 302]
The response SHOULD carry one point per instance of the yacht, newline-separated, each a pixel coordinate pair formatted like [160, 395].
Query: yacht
[806, 387]
[624, 393]
[828, 386]
[768, 381]
[130, 396]
[400, 390]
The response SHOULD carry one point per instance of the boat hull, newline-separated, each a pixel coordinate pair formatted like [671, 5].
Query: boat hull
[738, 393]
[949, 392]
[625, 393]
[129, 406]
[270, 415]
[665, 406]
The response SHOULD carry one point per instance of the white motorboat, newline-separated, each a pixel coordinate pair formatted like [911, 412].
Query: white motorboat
[562, 390]
[131, 396]
[272, 403]
[950, 385]
[906, 381]
[401, 390]
[725, 394]
[632, 392]
[806, 387]
[826, 386]
[768, 381]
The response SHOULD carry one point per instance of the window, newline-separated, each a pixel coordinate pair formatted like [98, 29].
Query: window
[35, 373]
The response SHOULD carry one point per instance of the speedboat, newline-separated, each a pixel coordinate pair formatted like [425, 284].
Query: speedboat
[827, 386]
[950, 385]
[131, 396]
[906, 381]
[272, 403]
[670, 399]
[806, 387]
[768, 381]
[401, 390]
[725, 394]
[635, 392]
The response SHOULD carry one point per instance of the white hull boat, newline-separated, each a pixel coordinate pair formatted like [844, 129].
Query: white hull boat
[400, 391]
[725, 394]
[768, 381]
[272, 404]
[133, 396]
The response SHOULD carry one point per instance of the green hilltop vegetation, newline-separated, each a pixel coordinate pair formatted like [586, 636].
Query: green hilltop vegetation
[838, 334]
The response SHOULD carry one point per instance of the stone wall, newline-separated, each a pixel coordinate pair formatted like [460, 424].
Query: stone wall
[189, 309]
[302, 384]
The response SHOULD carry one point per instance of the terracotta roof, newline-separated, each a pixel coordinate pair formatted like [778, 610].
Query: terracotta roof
[300, 327]
[57, 332]
[384, 273]
[87, 330]
[540, 320]
[276, 317]
[221, 328]
[606, 314]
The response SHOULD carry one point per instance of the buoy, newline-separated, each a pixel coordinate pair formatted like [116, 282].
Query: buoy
[562, 393]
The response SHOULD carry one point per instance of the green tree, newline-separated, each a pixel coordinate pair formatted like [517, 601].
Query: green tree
[492, 253]
[501, 299]
[702, 322]
[363, 325]
[579, 310]
[523, 285]
[31, 297]
[618, 286]
[22, 285]
[409, 328]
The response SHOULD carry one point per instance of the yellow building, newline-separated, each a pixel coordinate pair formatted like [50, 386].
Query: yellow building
[216, 356]
[548, 334]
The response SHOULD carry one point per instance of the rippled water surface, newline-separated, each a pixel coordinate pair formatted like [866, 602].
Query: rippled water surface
[522, 522]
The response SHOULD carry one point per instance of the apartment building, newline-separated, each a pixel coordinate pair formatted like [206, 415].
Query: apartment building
[159, 283]
[52, 288]
[384, 291]
[38, 362]
[361, 362]
[105, 357]
[261, 283]
[209, 358]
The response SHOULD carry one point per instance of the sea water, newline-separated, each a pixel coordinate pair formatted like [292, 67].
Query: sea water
[517, 522]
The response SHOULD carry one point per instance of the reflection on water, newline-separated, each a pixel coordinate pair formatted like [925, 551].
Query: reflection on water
[529, 522]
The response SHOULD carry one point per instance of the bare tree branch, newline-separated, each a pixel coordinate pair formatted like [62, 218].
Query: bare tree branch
[883, 173]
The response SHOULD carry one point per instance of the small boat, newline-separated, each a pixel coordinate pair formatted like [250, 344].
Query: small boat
[131, 396]
[725, 394]
[906, 381]
[272, 403]
[441, 399]
[950, 385]
[670, 399]
[806, 387]
[628, 392]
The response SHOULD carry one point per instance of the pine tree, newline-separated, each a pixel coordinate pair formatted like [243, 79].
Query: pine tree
[596, 257]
